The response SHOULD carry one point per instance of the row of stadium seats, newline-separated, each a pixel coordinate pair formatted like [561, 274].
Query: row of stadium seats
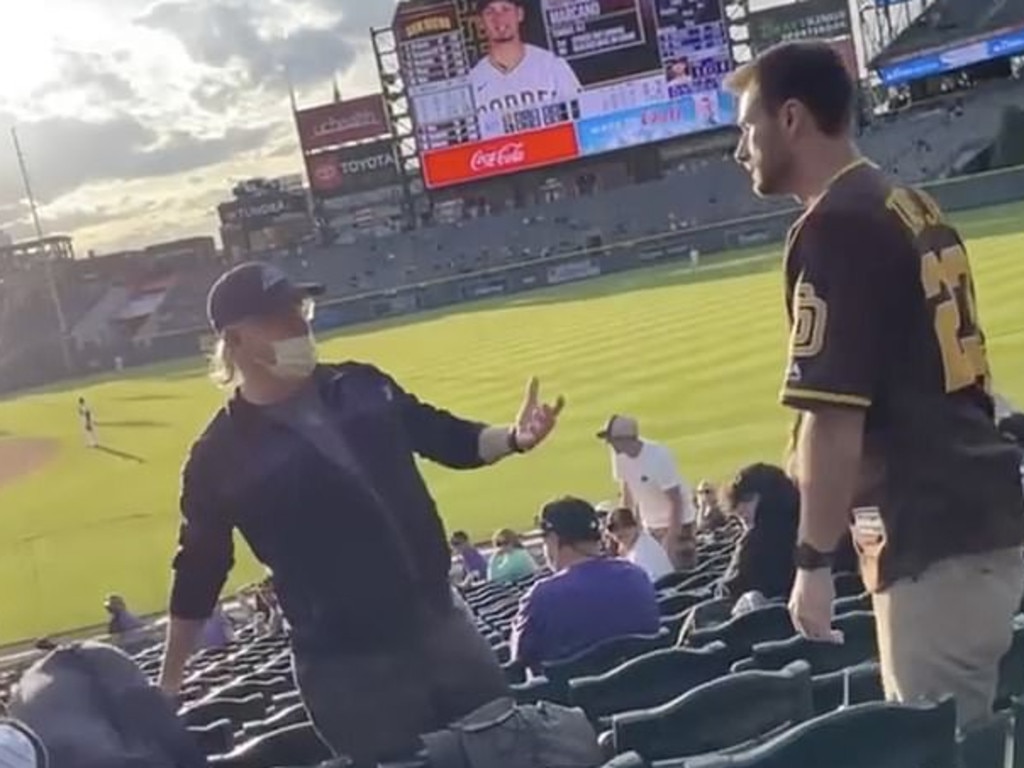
[725, 683]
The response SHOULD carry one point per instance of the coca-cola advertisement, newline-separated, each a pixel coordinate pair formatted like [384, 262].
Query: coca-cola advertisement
[341, 122]
[351, 169]
[480, 160]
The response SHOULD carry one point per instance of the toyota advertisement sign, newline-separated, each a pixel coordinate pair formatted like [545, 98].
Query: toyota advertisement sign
[358, 168]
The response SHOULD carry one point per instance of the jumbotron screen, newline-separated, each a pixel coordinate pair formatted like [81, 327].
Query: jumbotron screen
[499, 86]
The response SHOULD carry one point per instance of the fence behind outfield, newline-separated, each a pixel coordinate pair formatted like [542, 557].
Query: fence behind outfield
[960, 194]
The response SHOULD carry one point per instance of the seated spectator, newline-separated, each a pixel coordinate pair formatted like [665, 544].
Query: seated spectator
[122, 621]
[710, 516]
[590, 598]
[474, 564]
[768, 503]
[637, 546]
[510, 561]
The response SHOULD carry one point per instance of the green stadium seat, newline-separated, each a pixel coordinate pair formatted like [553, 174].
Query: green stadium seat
[648, 680]
[873, 735]
[853, 685]
[859, 645]
[723, 714]
[295, 745]
[741, 633]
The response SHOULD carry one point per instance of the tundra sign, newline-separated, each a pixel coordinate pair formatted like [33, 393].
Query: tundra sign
[352, 169]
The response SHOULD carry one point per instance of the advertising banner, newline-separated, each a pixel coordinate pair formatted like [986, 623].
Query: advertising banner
[339, 123]
[533, 65]
[932, 63]
[803, 20]
[656, 122]
[262, 210]
[357, 168]
[481, 160]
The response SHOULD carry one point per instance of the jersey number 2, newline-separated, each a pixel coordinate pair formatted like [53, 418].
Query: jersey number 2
[946, 279]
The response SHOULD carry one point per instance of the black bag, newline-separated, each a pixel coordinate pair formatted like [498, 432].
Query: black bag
[93, 708]
[502, 734]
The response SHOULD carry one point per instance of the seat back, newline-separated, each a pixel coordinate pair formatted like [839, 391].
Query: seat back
[854, 685]
[878, 734]
[648, 680]
[1011, 667]
[238, 711]
[848, 584]
[741, 633]
[677, 601]
[293, 745]
[599, 658]
[721, 714]
[859, 645]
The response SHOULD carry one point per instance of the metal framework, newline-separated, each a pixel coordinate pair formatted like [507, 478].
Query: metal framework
[396, 101]
[882, 22]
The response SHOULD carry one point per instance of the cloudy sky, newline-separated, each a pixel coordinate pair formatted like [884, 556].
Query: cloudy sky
[136, 115]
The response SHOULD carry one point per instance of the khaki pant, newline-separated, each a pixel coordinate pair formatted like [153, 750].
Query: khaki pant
[946, 630]
[682, 552]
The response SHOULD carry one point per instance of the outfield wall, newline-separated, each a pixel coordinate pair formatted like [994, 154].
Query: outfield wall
[964, 193]
[978, 191]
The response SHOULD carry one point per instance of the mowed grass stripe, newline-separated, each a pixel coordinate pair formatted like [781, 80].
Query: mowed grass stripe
[697, 356]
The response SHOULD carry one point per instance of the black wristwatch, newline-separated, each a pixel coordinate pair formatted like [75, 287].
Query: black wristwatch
[808, 558]
[513, 441]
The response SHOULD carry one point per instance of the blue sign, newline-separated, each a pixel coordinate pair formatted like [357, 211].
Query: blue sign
[655, 122]
[935, 63]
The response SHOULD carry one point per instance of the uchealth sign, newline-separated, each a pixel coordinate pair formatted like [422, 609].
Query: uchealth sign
[496, 157]
[352, 169]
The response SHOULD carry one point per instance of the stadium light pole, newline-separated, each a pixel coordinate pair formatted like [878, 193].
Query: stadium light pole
[51, 281]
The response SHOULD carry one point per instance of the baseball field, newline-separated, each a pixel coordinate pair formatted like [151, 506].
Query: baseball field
[696, 355]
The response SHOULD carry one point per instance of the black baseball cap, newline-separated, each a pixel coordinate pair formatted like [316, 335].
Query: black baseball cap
[254, 289]
[571, 519]
[481, 4]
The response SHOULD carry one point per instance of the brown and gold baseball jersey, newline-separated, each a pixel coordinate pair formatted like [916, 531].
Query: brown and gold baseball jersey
[883, 317]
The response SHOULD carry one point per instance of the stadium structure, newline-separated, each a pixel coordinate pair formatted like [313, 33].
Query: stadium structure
[392, 225]
[416, 198]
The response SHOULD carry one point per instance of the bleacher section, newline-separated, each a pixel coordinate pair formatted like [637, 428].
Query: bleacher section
[740, 685]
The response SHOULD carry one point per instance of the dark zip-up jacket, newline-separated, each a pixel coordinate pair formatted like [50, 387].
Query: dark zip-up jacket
[354, 558]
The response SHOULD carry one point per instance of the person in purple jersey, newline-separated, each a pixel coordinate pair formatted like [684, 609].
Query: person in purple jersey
[475, 564]
[591, 598]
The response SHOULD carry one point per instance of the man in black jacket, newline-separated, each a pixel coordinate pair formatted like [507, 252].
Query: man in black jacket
[315, 466]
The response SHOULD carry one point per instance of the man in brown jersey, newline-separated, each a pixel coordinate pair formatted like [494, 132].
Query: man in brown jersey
[888, 374]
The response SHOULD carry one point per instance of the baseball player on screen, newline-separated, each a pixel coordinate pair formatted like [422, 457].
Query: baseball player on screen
[516, 75]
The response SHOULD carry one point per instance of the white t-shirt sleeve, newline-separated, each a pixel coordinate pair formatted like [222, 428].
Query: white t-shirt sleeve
[616, 468]
[664, 470]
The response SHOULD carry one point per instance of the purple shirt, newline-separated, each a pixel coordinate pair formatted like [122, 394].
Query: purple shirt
[217, 631]
[475, 563]
[587, 603]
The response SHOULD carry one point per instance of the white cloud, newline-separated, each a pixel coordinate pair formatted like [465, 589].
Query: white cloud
[136, 116]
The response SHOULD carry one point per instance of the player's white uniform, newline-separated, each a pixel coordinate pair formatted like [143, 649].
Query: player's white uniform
[539, 78]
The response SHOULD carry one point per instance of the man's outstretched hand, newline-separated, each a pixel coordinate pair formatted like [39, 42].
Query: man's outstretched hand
[536, 419]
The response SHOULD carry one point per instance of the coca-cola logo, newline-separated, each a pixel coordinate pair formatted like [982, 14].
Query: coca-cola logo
[506, 156]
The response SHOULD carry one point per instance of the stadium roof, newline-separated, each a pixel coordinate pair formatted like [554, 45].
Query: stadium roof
[949, 22]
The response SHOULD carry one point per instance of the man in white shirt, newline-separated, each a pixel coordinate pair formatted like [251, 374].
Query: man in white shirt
[651, 486]
[514, 75]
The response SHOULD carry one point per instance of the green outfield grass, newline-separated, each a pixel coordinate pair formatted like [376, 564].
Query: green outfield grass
[696, 356]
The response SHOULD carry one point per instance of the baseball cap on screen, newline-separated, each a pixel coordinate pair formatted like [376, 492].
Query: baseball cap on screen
[619, 427]
[254, 289]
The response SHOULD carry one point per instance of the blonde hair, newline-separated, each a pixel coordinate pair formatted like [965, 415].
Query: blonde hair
[223, 369]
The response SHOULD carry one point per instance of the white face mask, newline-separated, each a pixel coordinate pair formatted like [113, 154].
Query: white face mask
[295, 358]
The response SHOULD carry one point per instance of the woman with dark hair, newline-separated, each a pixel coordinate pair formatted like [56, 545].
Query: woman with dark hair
[768, 503]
